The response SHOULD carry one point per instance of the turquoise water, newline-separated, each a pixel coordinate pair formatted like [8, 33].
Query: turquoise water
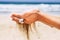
[29, 2]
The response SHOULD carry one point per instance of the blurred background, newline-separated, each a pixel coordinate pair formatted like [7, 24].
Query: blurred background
[8, 28]
[18, 6]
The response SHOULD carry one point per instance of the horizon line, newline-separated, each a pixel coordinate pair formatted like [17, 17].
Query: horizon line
[1, 2]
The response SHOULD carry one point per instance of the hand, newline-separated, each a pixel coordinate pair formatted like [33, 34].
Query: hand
[29, 17]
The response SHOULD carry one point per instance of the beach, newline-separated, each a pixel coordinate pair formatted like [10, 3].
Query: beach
[9, 30]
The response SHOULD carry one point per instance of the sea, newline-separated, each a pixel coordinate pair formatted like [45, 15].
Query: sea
[19, 7]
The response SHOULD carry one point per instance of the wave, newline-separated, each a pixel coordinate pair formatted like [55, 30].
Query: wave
[9, 8]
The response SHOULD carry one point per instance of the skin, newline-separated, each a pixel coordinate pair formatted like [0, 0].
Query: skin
[36, 15]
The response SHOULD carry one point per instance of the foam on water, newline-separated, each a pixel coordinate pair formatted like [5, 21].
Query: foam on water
[53, 9]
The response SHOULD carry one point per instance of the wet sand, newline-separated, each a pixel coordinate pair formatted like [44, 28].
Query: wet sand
[9, 30]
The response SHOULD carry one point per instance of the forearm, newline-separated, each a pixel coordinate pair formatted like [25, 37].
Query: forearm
[50, 20]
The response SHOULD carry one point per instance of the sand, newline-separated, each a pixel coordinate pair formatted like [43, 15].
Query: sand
[9, 30]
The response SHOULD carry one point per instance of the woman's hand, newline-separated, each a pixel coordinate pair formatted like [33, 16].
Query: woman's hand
[35, 15]
[29, 17]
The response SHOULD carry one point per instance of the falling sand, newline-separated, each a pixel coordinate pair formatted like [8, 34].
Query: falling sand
[10, 30]
[27, 28]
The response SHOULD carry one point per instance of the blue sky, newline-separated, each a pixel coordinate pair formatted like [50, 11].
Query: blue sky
[32, 0]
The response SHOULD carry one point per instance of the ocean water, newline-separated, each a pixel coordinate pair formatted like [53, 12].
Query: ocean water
[51, 9]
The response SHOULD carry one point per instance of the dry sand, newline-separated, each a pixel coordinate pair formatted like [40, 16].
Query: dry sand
[9, 30]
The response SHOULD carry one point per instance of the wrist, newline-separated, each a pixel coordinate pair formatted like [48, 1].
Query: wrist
[40, 16]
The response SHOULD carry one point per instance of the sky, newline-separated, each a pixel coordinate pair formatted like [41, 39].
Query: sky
[31, 0]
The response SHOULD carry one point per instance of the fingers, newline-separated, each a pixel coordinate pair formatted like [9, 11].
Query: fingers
[16, 15]
[28, 17]
[15, 19]
[32, 18]
[27, 14]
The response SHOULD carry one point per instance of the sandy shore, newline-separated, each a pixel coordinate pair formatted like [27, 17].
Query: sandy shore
[10, 31]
